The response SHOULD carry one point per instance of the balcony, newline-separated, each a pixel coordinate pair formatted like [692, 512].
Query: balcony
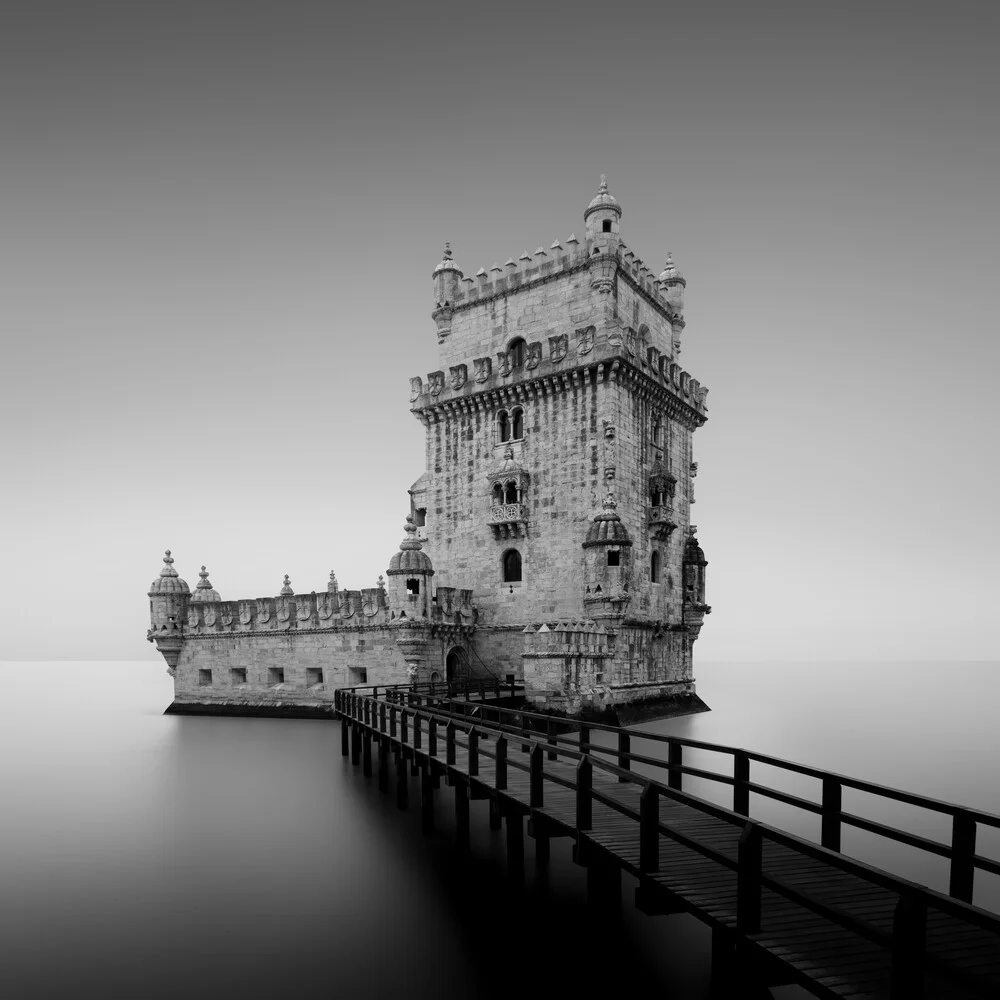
[508, 519]
[661, 522]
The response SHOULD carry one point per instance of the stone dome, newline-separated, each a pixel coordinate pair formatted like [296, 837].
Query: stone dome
[603, 200]
[670, 271]
[693, 553]
[168, 582]
[607, 527]
[203, 592]
[410, 559]
[447, 264]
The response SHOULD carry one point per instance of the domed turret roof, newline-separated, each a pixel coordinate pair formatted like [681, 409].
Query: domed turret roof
[447, 264]
[670, 272]
[693, 553]
[410, 558]
[168, 582]
[659, 471]
[603, 200]
[607, 528]
[204, 592]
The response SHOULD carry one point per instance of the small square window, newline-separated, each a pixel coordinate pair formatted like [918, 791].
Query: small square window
[613, 555]
[205, 678]
[607, 226]
[239, 676]
[314, 676]
[275, 675]
[359, 675]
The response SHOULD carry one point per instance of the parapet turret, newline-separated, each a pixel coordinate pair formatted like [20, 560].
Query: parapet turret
[447, 276]
[602, 218]
[168, 599]
[607, 562]
[410, 571]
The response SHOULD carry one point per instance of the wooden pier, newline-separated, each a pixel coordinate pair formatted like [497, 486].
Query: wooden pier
[782, 909]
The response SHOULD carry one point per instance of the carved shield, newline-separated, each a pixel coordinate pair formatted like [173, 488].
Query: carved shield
[193, 619]
[534, 355]
[503, 362]
[436, 383]
[416, 388]
[484, 368]
[246, 612]
[558, 347]
[263, 611]
[585, 340]
[210, 616]
[459, 375]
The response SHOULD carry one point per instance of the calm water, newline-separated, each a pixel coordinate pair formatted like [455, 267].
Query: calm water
[143, 855]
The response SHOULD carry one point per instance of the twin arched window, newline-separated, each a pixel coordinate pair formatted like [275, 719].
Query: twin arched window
[505, 492]
[511, 566]
[510, 426]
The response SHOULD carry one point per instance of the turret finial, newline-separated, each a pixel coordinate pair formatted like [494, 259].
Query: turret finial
[331, 587]
[604, 184]
[447, 251]
[286, 590]
[610, 504]
[168, 565]
[410, 528]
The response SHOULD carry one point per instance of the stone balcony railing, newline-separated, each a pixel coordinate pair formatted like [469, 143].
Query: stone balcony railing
[508, 519]
[661, 521]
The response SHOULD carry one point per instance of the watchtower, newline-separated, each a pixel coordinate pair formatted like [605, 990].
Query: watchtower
[558, 448]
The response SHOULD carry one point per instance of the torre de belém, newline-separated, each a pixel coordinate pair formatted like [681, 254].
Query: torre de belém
[550, 535]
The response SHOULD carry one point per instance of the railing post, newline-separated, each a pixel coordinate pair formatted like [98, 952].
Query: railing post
[832, 799]
[536, 775]
[468, 697]
[649, 829]
[584, 739]
[511, 682]
[624, 757]
[368, 712]
[748, 880]
[426, 797]
[449, 743]
[392, 721]
[381, 717]
[675, 758]
[551, 739]
[366, 753]
[963, 853]
[345, 735]
[482, 690]
[473, 753]
[525, 747]
[356, 743]
[403, 733]
[741, 783]
[501, 763]
[418, 734]
[584, 803]
[496, 688]
[909, 933]
[432, 737]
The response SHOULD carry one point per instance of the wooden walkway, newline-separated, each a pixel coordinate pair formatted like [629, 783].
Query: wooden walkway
[782, 909]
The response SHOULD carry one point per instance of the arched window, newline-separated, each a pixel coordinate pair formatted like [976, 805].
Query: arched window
[606, 228]
[503, 425]
[657, 431]
[517, 422]
[654, 568]
[510, 494]
[497, 493]
[511, 566]
[517, 352]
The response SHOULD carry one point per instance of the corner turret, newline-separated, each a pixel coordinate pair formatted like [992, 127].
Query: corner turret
[607, 556]
[446, 276]
[672, 284]
[410, 571]
[168, 599]
[695, 607]
[603, 238]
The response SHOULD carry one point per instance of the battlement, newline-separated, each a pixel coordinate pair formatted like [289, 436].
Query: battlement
[560, 259]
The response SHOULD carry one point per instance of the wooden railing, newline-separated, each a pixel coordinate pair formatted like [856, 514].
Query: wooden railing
[961, 854]
[411, 713]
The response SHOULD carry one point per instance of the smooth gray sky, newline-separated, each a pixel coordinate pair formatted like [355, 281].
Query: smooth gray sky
[217, 227]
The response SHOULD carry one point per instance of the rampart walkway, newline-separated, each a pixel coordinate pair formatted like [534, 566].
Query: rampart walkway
[782, 909]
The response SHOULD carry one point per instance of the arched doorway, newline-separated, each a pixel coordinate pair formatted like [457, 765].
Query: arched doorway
[457, 664]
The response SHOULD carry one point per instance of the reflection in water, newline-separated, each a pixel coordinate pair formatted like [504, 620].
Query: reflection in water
[149, 855]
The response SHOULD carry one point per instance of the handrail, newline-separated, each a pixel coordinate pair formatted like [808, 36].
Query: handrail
[961, 852]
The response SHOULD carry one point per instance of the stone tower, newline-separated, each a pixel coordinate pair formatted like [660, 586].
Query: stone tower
[559, 467]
